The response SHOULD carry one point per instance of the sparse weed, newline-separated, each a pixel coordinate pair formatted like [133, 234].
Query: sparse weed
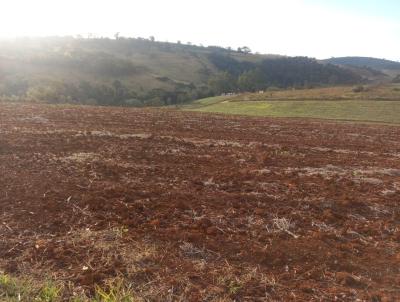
[50, 292]
[283, 224]
[190, 250]
[10, 289]
[18, 290]
[13, 289]
[120, 231]
[234, 287]
[269, 281]
[117, 292]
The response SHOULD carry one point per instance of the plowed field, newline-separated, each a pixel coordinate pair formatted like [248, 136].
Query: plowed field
[200, 207]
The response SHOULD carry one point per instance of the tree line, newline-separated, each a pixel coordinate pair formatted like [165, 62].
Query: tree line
[280, 72]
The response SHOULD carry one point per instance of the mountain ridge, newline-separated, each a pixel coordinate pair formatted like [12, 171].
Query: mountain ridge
[388, 68]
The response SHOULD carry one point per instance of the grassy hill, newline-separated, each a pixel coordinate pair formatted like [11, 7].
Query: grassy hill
[372, 68]
[379, 103]
[136, 71]
[140, 63]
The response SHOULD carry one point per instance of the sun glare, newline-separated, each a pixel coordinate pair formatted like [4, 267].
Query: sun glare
[285, 27]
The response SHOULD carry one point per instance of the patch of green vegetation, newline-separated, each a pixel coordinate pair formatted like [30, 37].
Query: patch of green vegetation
[207, 101]
[11, 290]
[14, 289]
[357, 110]
[234, 287]
[117, 292]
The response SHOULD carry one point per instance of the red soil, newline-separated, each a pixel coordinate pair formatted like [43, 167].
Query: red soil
[193, 206]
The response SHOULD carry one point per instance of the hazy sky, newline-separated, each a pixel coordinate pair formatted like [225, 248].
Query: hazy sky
[313, 28]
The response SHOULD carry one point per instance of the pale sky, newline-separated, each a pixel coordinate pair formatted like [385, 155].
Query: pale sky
[320, 29]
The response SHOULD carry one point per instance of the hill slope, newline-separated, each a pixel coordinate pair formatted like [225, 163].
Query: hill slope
[373, 66]
[136, 71]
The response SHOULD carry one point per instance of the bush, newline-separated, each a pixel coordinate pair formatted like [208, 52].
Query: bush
[358, 89]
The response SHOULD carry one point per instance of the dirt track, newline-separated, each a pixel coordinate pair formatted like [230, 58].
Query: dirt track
[201, 207]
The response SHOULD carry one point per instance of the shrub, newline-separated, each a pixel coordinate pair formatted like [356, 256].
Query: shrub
[358, 89]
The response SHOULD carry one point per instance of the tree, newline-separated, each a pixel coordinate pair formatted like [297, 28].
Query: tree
[252, 80]
[222, 82]
[120, 91]
[246, 49]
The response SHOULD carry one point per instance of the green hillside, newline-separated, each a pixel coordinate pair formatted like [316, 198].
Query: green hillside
[138, 72]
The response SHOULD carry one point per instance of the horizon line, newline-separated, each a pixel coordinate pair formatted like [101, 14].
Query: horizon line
[89, 36]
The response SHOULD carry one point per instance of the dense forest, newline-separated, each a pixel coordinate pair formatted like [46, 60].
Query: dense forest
[140, 72]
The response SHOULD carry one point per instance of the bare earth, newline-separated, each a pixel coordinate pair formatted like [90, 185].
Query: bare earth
[199, 207]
